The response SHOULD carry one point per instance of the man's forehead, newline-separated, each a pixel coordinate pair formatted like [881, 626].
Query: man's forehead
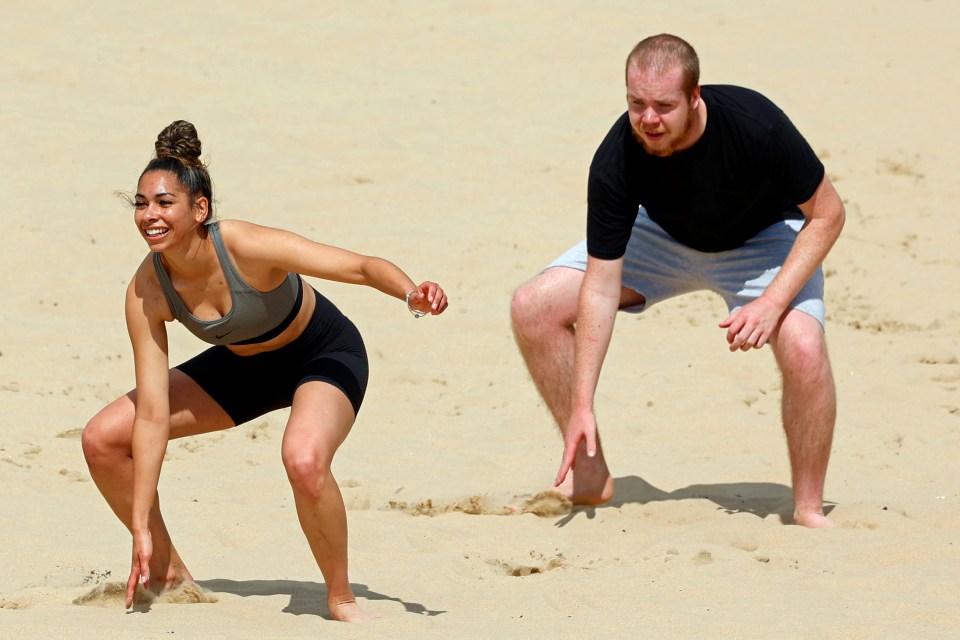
[646, 83]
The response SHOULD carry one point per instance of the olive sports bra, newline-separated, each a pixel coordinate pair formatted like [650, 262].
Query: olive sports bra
[254, 316]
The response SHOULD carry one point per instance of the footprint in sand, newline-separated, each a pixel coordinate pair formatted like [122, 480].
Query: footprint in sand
[29, 453]
[538, 564]
[12, 604]
[745, 545]
[75, 476]
[544, 504]
[112, 594]
[473, 505]
[547, 504]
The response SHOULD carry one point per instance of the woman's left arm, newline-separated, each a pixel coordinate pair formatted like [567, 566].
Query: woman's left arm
[270, 248]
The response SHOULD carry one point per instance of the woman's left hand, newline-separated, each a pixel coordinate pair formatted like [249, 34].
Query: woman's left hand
[427, 298]
[139, 565]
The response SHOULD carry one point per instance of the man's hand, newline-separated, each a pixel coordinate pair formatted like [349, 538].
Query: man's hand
[582, 427]
[751, 326]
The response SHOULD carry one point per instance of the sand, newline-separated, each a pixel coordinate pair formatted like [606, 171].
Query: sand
[454, 138]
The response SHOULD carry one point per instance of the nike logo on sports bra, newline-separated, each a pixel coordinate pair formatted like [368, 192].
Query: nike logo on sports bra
[224, 335]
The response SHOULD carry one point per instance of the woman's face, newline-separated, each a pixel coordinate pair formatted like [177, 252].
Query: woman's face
[165, 214]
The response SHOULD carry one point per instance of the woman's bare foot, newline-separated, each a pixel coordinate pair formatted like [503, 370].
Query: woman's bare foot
[349, 611]
[167, 571]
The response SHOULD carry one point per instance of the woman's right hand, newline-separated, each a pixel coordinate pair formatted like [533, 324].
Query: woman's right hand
[427, 298]
[140, 565]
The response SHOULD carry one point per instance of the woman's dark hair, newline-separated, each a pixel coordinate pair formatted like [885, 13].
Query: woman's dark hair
[178, 151]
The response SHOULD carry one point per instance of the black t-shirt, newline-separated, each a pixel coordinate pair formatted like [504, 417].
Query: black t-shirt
[749, 169]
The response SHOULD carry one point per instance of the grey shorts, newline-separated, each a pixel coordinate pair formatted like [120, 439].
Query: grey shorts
[658, 267]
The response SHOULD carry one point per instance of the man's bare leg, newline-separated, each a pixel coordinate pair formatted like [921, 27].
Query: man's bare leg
[320, 419]
[107, 449]
[809, 409]
[544, 311]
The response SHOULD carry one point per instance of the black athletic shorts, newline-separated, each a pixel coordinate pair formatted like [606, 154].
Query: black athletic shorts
[246, 387]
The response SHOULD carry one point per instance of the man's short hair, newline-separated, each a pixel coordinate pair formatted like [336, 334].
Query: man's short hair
[664, 52]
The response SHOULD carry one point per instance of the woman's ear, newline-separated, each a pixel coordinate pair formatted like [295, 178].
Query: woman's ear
[201, 209]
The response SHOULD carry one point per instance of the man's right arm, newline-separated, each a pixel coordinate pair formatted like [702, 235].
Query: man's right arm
[597, 310]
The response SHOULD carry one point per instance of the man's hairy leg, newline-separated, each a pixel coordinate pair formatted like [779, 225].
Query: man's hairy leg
[809, 412]
[543, 312]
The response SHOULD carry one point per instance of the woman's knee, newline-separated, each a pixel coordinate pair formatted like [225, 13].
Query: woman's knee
[308, 472]
[106, 434]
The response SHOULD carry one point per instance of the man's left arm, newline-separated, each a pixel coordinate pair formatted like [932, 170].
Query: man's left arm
[750, 326]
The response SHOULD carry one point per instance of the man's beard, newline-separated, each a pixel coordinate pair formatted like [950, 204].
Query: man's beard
[671, 147]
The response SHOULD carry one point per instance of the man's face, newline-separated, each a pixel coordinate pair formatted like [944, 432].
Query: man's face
[661, 114]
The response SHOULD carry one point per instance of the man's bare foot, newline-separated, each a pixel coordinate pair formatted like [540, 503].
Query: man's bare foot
[349, 611]
[590, 488]
[812, 519]
[588, 481]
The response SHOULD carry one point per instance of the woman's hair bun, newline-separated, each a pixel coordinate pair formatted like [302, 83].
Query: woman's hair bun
[179, 140]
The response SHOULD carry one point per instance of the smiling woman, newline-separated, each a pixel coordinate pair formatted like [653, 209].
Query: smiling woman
[178, 156]
[277, 343]
[160, 200]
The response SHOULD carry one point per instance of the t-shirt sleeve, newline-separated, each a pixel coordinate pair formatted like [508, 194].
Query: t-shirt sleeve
[792, 164]
[609, 224]
[610, 212]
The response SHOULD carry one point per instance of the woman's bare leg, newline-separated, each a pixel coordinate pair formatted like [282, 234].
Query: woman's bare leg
[107, 449]
[320, 419]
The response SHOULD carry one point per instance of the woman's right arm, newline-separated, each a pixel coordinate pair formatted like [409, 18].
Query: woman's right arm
[151, 424]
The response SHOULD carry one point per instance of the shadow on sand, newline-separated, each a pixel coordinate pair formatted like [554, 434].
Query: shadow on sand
[306, 598]
[761, 499]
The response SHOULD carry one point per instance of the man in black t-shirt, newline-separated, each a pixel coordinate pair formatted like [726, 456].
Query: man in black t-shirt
[694, 188]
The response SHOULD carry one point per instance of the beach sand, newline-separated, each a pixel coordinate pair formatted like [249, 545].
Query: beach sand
[454, 138]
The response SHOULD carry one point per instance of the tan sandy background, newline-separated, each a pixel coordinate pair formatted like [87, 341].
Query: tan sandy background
[454, 138]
